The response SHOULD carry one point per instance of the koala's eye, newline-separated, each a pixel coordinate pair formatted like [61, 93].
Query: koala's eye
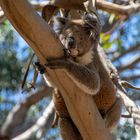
[71, 41]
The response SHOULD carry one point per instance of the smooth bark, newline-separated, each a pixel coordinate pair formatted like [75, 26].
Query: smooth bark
[45, 43]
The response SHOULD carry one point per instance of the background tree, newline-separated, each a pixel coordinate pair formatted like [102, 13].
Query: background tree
[119, 38]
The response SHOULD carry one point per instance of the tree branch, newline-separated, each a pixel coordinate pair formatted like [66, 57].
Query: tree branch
[133, 110]
[131, 78]
[45, 120]
[131, 107]
[100, 4]
[105, 6]
[130, 65]
[17, 116]
[117, 9]
[40, 37]
[131, 49]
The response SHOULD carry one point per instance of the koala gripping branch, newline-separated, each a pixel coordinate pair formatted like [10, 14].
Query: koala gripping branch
[40, 37]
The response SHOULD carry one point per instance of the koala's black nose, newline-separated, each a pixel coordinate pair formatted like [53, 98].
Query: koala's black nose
[71, 42]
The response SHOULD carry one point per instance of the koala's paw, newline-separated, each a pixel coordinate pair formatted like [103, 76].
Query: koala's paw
[40, 67]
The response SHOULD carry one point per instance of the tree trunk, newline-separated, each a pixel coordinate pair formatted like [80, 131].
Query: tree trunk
[45, 43]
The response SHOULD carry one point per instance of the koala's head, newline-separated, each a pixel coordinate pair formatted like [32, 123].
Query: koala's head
[78, 36]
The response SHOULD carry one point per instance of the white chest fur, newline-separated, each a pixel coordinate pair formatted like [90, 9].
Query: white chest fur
[86, 58]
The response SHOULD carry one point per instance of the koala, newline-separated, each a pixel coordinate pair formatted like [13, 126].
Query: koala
[85, 65]
[81, 53]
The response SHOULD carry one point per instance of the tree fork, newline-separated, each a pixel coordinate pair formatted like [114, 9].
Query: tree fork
[39, 36]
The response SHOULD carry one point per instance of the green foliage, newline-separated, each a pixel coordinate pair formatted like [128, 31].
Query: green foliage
[106, 43]
[6, 34]
[10, 73]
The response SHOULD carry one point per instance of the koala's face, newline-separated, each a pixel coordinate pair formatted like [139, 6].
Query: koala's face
[77, 38]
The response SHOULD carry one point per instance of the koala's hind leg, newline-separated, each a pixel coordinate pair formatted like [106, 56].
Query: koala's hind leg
[67, 128]
[113, 115]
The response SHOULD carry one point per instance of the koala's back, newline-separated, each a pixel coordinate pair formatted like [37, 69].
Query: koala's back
[105, 98]
[107, 94]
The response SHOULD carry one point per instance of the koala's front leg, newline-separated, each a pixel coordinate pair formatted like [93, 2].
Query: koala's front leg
[57, 63]
[86, 79]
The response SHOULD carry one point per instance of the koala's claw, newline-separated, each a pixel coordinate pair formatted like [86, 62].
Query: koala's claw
[66, 53]
[40, 67]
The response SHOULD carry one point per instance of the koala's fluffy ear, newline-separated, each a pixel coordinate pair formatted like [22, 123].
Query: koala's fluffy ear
[59, 23]
[92, 21]
[92, 25]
